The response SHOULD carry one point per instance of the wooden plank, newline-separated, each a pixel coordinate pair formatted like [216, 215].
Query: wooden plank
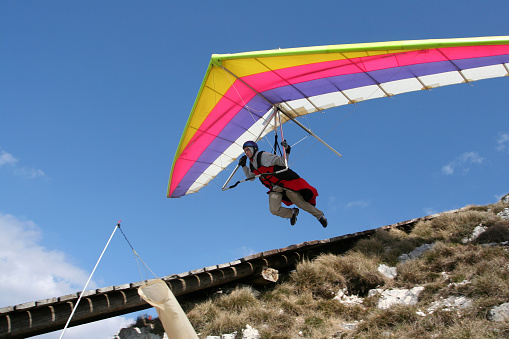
[24, 306]
[251, 257]
[6, 309]
[47, 301]
[105, 289]
[210, 268]
[122, 287]
[68, 297]
[140, 283]
[198, 271]
[89, 293]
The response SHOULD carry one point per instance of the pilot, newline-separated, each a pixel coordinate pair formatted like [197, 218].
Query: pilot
[284, 184]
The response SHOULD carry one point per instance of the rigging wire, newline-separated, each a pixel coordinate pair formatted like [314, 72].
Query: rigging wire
[252, 112]
[93, 271]
[249, 109]
[379, 87]
[137, 257]
[88, 281]
[327, 133]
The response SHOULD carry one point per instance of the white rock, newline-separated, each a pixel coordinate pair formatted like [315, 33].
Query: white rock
[450, 304]
[223, 336]
[348, 299]
[389, 272]
[463, 283]
[375, 291]
[136, 333]
[504, 214]
[499, 313]
[478, 230]
[250, 333]
[350, 326]
[399, 297]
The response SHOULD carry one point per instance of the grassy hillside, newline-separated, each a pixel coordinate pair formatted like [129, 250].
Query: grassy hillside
[328, 297]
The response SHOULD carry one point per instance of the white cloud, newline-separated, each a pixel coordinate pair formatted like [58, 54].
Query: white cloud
[30, 272]
[448, 169]
[462, 163]
[29, 173]
[357, 203]
[430, 211]
[9, 159]
[244, 251]
[503, 142]
[103, 329]
[332, 204]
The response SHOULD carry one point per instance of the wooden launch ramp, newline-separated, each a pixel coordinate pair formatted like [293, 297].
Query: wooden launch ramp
[38, 317]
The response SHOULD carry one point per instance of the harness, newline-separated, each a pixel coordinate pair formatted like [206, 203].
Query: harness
[270, 180]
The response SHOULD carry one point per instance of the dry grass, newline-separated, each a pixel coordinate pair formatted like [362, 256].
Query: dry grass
[402, 322]
[239, 299]
[388, 245]
[317, 277]
[303, 306]
[328, 273]
[498, 207]
[454, 227]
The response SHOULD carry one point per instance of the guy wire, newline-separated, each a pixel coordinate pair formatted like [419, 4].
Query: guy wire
[136, 254]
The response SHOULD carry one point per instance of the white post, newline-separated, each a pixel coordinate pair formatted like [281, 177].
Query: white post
[175, 322]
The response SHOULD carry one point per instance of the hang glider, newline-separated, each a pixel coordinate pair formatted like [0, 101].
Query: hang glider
[240, 92]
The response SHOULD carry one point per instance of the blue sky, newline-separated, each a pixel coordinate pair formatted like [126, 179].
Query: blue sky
[95, 96]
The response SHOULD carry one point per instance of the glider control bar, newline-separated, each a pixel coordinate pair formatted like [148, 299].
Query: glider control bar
[249, 179]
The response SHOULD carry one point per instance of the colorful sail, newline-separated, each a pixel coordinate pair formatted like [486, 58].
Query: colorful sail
[239, 91]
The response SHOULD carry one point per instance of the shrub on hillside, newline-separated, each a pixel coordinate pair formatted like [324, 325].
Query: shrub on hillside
[497, 233]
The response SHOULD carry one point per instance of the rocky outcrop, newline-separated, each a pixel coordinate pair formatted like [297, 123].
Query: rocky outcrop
[389, 272]
[137, 333]
[344, 298]
[393, 297]
[504, 214]
[247, 333]
[144, 333]
[499, 313]
[447, 305]
[416, 253]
